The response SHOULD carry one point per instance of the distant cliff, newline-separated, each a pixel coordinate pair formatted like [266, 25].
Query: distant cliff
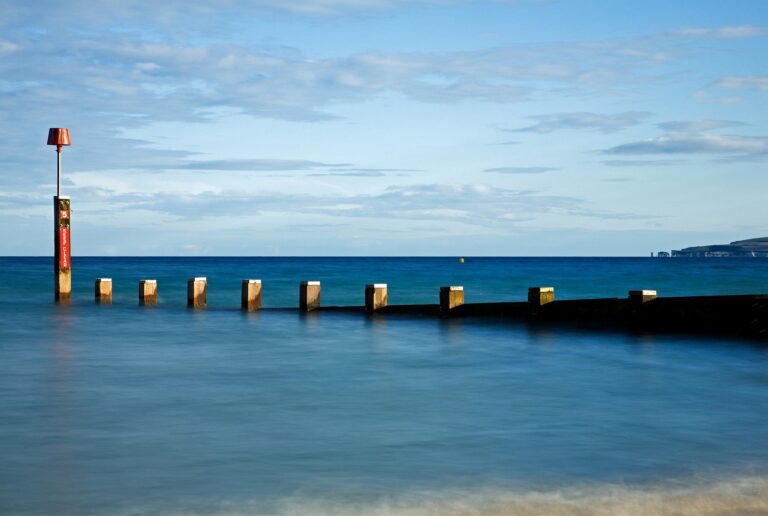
[754, 247]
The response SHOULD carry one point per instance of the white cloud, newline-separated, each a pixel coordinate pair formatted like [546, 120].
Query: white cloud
[726, 32]
[639, 163]
[688, 137]
[474, 205]
[7, 47]
[729, 100]
[257, 165]
[695, 144]
[520, 170]
[743, 83]
[109, 81]
[584, 120]
[697, 126]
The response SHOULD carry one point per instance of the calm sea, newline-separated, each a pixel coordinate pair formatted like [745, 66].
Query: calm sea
[124, 409]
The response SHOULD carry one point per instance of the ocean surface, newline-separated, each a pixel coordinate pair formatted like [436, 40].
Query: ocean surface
[123, 409]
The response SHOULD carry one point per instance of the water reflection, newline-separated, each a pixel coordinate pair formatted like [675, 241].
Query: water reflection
[309, 319]
[251, 316]
[646, 342]
[59, 466]
[541, 334]
[376, 324]
[452, 331]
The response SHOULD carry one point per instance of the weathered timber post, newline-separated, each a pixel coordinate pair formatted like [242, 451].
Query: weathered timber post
[197, 292]
[62, 267]
[250, 297]
[538, 297]
[309, 296]
[103, 291]
[375, 296]
[62, 254]
[148, 292]
[637, 316]
[450, 298]
[638, 297]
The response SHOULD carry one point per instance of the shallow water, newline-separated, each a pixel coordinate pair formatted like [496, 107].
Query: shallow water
[124, 409]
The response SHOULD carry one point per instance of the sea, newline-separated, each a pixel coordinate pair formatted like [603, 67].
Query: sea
[124, 409]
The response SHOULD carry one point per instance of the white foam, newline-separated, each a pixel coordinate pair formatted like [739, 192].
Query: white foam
[741, 495]
[748, 495]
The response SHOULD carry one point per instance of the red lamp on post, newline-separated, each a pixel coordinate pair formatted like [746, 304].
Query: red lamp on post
[59, 137]
[62, 270]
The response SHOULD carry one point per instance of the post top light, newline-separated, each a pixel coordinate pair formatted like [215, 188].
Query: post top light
[58, 136]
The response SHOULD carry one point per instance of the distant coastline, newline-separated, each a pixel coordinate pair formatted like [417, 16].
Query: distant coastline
[752, 248]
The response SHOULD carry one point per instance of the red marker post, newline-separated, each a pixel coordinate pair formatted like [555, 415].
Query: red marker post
[62, 261]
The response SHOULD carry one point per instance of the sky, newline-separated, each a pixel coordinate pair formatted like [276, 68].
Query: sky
[384, 127]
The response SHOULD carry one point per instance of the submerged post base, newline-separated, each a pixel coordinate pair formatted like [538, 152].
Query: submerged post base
[197, 292]
[250, 296]
[103, 291]
[451, 297]
[148, 292]
[309, 296]
[375, 296]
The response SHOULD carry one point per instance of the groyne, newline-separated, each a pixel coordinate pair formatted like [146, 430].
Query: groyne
[643, 310]
[745, 315]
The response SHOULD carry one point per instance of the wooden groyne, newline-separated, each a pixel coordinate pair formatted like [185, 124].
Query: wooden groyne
[744, 315]
[644, 310]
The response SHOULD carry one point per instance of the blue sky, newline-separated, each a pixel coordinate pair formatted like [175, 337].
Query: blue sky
[385, 127]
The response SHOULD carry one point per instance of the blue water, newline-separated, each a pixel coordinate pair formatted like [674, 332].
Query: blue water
[124, 409]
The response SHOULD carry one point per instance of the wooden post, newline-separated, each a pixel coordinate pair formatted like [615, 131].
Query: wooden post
[450, 298]
[375, 296]
[103, 291]
[538, 296]
[196, 292]
[62, 255]
[638, 316]
[148, 292]
[250, 298]
[309, 296]
[638, 297]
